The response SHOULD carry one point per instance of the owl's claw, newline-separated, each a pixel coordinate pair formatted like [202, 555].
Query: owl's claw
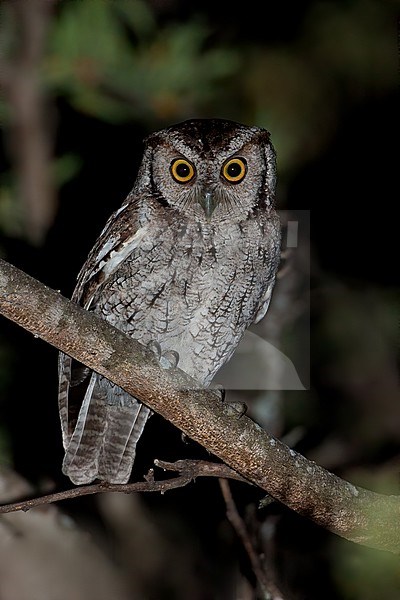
[155, 348]
[218, 388]
[233, 408]
[237, 409]
[169, 359]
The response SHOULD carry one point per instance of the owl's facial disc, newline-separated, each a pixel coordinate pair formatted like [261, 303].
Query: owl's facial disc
[184, 172]
[233, 171]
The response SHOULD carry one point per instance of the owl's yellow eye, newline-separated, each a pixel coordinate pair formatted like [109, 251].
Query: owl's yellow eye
[182, 170]
[234, 170]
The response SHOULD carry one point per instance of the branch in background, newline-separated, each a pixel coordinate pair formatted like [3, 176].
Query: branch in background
[269, 589]
[30, 136]
[357, 514]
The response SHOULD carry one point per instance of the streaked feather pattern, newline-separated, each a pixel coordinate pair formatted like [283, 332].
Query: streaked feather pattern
[164, 271]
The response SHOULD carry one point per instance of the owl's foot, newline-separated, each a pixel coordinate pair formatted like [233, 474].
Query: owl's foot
[238, 409]
[220, 390]
[155, 348]
[234, 408]
[168, 359]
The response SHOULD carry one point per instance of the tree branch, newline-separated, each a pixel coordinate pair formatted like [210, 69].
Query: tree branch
[354, 513]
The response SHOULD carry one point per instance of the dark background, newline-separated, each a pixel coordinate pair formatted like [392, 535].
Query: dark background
[322, 78]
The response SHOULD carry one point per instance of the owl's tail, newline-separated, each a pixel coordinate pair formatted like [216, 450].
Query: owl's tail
[103, 443]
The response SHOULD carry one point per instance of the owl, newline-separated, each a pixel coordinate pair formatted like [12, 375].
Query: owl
[184, 266]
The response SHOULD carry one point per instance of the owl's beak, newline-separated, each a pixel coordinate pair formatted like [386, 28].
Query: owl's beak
[209, 203]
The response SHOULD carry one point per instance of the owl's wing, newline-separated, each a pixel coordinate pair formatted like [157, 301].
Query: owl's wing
[273, 242]
[121, 234]
[264, 304]
[101, 423]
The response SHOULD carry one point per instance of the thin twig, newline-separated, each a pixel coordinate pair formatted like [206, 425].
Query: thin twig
[201, 468]
[97, 488]
[188, 469]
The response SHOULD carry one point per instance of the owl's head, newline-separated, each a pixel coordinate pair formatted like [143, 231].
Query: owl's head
[210, 169]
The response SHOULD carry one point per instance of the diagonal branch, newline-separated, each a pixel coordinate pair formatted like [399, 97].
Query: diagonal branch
[357, 514]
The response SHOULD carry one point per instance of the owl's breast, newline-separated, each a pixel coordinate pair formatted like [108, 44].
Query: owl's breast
[194, 290]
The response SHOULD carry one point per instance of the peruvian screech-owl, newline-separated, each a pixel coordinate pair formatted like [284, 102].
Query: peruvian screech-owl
[185, 265]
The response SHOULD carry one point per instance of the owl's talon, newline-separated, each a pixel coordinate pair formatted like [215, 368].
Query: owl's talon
[238, 409]
[218, 388]
[155, 348]
[169, 360]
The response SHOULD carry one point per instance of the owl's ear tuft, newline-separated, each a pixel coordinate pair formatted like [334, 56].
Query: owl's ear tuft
[153, 140]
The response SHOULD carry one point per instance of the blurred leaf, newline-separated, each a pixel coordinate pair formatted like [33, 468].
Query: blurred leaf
[8, 37]
[88, 30]
[4, 111]
[291, 100]
[350, 40]
[364, 574]
[66, 168]
[165, 74]
[11, 217]
[138, 16]
[11, 209]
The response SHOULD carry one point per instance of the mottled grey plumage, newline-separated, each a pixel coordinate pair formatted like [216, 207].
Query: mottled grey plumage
[188, 262]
